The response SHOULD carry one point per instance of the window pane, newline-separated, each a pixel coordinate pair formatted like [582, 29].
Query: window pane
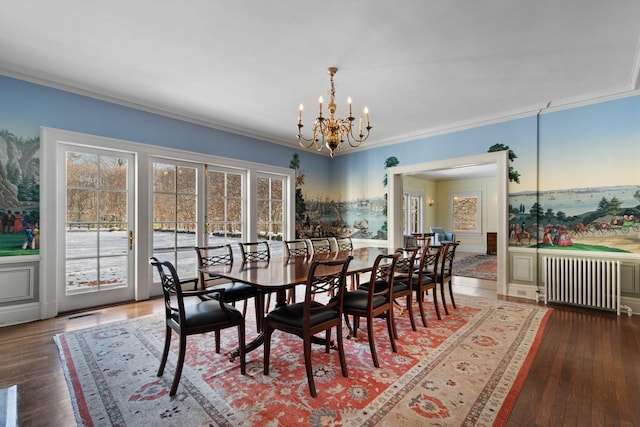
[263, 188]
[81, 205]
[186, 209]
[164, 178]
[263, 211]
[111, 273]
[164, 207]
[234, 185]
[113, 173]
[113, 206]
[276, 211]
[81, 275]
[81, 242]
[215, 209]
[215, 184]
[82, 170]
[186, 180]
[113, 243]
[276, 189]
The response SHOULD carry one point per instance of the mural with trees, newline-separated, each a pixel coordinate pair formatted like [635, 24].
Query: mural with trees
[19, 193]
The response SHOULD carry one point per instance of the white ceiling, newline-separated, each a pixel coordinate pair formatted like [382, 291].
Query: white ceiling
[420, 66]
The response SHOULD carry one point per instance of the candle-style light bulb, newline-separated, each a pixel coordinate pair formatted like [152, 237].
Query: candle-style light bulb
[300, 113]
[320, 101]
[366, 115]
[360, 127]
[349, 102]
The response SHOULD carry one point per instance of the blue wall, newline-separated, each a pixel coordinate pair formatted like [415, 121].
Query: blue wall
[24, 107]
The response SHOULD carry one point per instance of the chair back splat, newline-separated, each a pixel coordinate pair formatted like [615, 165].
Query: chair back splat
[298, 247]
[373, 299]
[321, 245]
[208, 315]
[307, 318]
[257, 252]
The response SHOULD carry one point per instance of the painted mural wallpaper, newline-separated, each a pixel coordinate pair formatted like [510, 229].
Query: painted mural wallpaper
[19, 193]
[321, 213]
[587, 193]
[574, 181]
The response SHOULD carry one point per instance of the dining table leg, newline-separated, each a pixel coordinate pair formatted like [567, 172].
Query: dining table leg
[258, 341]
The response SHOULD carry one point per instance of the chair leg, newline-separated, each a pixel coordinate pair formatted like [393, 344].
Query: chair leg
[179, 363]
[165, 351]
[444, 302]
[307, 363]
[259, 299]
[453, 301]
[420, 299]
[372, 342]
[390, 327]
[217, 335]
[267, 346]
[241, 349]
[343, 361]
[435, 303]
[410, 310]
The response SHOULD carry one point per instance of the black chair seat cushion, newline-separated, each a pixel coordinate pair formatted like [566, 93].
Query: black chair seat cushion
[292, 314]
[380, 286]
[358, 300]
[234, 291]
[425, 280]
[206, 313]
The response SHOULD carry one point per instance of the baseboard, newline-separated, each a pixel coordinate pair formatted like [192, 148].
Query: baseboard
[21, 313]
[522, 291]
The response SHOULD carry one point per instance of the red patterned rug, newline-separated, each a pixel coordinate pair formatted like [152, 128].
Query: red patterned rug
[478, 266]
[466, 369]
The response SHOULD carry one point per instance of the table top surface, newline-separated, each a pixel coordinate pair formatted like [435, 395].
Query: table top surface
[285, 272]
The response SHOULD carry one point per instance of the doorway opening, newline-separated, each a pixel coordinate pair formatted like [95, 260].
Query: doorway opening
[498, 159]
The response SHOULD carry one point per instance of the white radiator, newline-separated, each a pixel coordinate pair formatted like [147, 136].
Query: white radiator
[586, 282]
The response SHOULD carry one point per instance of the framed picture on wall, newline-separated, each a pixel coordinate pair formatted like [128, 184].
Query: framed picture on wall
[466, 210]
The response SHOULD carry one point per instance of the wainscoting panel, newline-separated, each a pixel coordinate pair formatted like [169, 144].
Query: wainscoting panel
[18, 284]
[522, 268]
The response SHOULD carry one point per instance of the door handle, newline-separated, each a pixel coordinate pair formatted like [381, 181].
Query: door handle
[131, 239]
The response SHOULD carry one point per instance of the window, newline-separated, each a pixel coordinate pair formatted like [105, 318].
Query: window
[175, 201]
[271, 203]
[466, 212]
[225, 212]
[412, 203]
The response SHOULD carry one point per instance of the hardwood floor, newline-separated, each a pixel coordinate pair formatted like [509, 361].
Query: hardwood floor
[586, 373]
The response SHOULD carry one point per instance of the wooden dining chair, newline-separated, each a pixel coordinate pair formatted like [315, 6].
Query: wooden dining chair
[371, 300]
[403, 282]
[425, 280]
[253, 252]
[344, 243]
[321, 245]
[445, 273]
[295, 248]
[233, 291]
[208, 315]
[305, 319]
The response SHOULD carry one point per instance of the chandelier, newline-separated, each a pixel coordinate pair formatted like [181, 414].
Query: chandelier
[331, 132]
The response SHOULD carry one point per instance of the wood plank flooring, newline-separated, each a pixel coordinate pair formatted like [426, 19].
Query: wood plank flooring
[586, 373]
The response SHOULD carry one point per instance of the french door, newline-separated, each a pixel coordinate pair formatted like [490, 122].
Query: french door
[97, 226]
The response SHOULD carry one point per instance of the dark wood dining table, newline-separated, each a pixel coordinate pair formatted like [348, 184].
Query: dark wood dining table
[280, 274]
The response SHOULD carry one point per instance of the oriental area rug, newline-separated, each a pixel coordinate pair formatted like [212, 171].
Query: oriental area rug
[477, 266]
[466, 369]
